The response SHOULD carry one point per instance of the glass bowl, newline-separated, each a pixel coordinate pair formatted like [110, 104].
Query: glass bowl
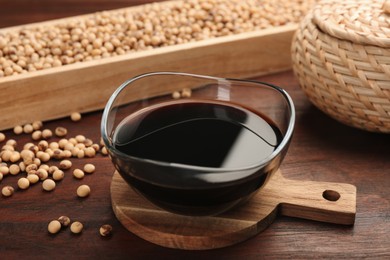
[197, 145]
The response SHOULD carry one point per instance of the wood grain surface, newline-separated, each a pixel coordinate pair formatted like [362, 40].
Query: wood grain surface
[321, 150]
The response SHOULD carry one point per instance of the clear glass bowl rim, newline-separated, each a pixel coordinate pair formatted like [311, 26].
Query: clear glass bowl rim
[277, 151]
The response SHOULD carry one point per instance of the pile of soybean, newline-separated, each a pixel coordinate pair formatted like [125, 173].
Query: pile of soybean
[111, 33]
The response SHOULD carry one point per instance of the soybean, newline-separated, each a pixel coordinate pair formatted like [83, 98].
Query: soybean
[48, 185]
[104, 151]
[7, 191]
[75, 116]
[60, 131]
[58, 175]
[23, 183]
[65, 164]
[54, 226]
[18, 129]
[89, 168]
[78, 174]
[76, 227]
[36, 135]
[37, 125]
[14, 169]
[83, 191]
[47, 133]
[4, 169]
[32, 178]
[105, 230]
[42, 174]
[64, 220]
[28, 128]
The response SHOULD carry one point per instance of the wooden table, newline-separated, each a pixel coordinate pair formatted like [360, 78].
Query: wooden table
[321, 150]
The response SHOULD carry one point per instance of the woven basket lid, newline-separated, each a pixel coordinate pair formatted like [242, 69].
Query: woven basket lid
[359, 21]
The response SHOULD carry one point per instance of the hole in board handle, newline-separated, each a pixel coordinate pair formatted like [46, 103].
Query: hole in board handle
[331, 195]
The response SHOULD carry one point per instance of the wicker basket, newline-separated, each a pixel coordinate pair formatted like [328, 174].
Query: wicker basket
[341, 56]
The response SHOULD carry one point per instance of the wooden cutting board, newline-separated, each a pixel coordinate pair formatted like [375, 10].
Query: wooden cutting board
[321, 201]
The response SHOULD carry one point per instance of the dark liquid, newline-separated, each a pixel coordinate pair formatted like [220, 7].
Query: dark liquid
[195, 133]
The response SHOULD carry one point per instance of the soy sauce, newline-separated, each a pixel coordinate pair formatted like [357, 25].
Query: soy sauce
[200, 133]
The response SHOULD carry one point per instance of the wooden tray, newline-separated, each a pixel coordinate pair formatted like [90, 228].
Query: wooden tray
[57, 92]
[321, 201]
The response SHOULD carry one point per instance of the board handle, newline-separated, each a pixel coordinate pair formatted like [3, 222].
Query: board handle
[321, 201]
